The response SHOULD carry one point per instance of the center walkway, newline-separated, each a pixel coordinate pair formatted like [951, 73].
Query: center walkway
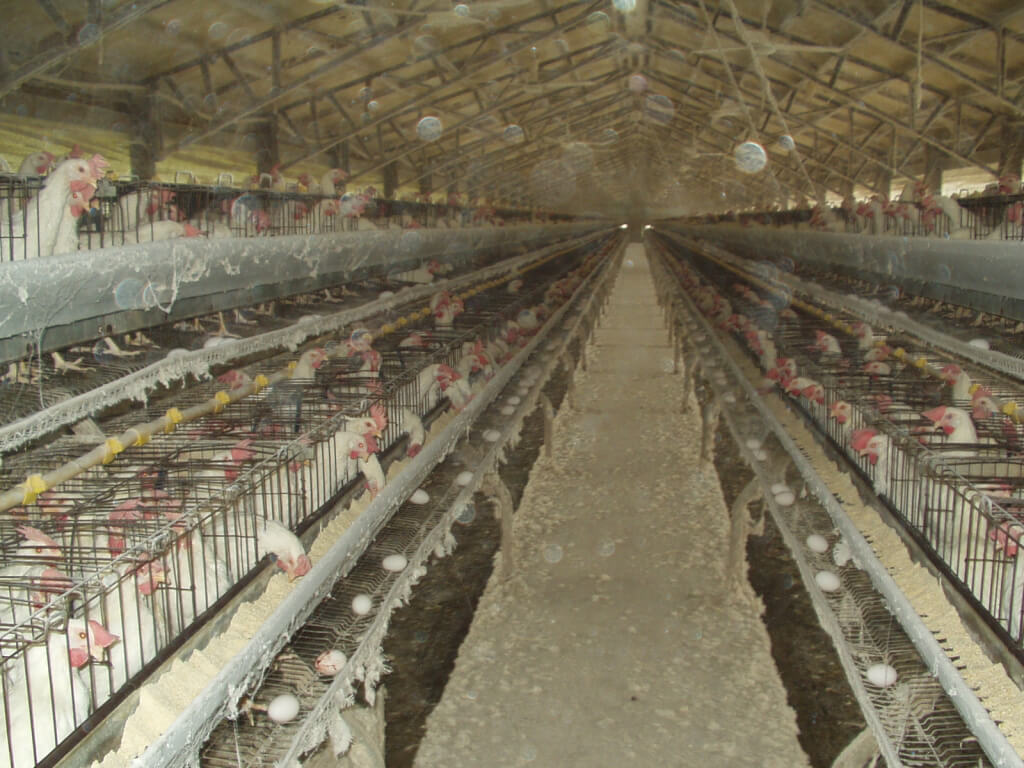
[618, 642]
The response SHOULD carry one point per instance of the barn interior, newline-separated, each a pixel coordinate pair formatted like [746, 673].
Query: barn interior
[565, 382]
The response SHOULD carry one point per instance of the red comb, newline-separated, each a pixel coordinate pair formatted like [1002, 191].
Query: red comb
[860, 439]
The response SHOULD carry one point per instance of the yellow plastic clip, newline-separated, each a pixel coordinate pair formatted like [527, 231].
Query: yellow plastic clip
[292, 365]
[222, 398]
[33, 485]
[1010, 409]
[260, 381]
[174, 418]
[973, 388]
[114, 447]
[900, 353]
[401, 322]
[140, 438]
[921, 363]
[386, 329]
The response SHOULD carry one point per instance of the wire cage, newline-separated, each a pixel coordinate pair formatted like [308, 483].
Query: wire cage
[962, 501]
[123, 561]
[19, 205]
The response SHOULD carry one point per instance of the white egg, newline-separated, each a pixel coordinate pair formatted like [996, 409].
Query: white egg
[729, 397]
[753, 443]
[214, 341]
[177, 352]
[283, 708]
[524, 390]
[492, 435]
[827, 581]
[513, 400]
[508, 410]
[817, 543]
[330, 662]
[980, 343]
[464, 478]
[419, 496]
[552, 346]
[785, 499]
[385, 294]
[308, 318]
[394, 563]
[760, 455]
[778, 488]
[881, 675]
[362, 605]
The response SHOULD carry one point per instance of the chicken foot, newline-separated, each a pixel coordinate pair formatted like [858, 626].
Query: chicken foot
[62, 366]
[116, 351]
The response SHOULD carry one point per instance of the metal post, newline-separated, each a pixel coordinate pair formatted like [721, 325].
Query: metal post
[498, 492]
[709, 418]
[570, 393]
[549, 418]
[739, 528]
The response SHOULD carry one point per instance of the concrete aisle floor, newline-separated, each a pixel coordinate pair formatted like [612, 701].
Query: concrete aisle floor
[618, 642]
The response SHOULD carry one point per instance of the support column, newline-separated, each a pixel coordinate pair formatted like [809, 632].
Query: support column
[934, 162]
[883, 181]
[267, 150]
[146, 144]
[390, 180]
[1011, 154]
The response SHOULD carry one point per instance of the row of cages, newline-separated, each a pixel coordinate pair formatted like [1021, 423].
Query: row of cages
[123, 562]
[996, 217]
[963, 502]
[130, 212]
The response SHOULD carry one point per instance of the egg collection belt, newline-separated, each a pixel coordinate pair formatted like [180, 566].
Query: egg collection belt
[744, 332]
[150, 520]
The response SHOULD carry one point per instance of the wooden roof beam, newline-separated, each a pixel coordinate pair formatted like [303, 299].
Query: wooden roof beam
[937, 59]
[465, 74]
[54, 55]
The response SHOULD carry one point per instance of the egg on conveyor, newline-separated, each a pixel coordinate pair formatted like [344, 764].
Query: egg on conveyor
[362, 605]
[753, 444]
[827, 581]
[492, 435]
[778, 488]
[523, 390]
[513, 400]
[283, 708]
[980, 343]
[507, 410]
[729, 397]
[881, 675]
[176, 352]
[394, 563]
[330, 662]
[817, 543]
[419, 496]
[464, 478]
[785, 499]
[761, 455]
